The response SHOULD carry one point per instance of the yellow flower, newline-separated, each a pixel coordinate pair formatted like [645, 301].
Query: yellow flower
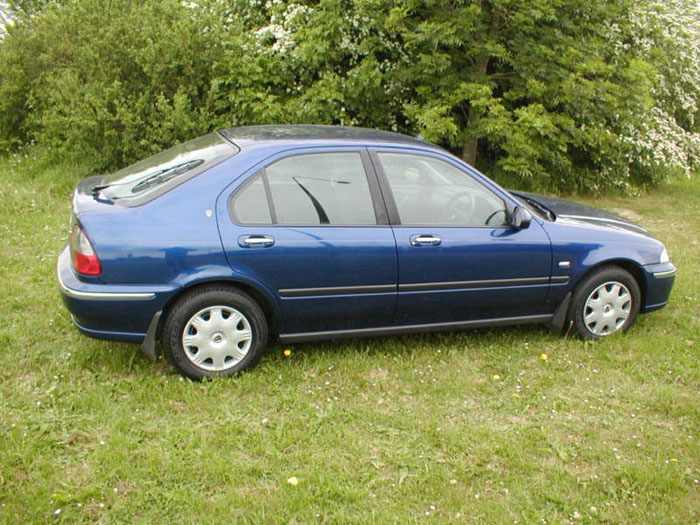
[516, 395]
[496, 377]
[674, 460]
[293, 481]
[544, 357]
[287, 352]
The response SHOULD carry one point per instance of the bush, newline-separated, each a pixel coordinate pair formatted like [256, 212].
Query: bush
[110, 80]
[549, 95]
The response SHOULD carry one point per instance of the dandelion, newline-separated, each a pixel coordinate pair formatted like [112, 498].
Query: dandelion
[544, 357]
[293, 481]
[287, 352]
[496, 377]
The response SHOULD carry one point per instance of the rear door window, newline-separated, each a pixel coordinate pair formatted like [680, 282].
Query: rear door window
[308, 189]
[250, 205]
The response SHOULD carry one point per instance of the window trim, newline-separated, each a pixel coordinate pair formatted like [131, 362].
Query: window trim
[378, 204]
[392, 208]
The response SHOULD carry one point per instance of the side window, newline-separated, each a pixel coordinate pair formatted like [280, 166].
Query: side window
[431, 192]
[308, 189]
[250, 205]
[321, 188]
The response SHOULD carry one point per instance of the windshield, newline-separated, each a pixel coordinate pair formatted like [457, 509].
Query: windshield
[155, 175]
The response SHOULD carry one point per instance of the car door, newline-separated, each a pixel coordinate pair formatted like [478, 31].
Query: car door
[459, 260]
[310, 226]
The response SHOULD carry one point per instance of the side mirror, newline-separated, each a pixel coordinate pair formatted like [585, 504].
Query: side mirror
[520, 218]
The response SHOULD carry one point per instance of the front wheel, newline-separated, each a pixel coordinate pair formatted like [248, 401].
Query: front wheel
[214, 331]
[605, 302]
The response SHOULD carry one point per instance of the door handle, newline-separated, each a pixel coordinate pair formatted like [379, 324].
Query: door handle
[255, 241]
[421, 239]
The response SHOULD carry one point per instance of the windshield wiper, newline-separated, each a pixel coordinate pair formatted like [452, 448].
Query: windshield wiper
[165, 174]
[544, 210]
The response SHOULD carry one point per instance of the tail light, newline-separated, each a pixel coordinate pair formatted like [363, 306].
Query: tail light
[82, 253]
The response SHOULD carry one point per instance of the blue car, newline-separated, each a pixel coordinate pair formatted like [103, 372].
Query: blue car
[218, 245]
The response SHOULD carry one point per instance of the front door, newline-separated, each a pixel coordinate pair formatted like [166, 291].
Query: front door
[459, 260]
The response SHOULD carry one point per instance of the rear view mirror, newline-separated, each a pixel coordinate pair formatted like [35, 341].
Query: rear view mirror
[520, 218]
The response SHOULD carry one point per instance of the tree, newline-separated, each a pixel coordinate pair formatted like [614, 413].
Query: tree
[558, 95]
[113, 80]
[5, 18]
[541, 93]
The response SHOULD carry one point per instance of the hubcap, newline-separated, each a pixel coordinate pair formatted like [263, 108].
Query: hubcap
[217, 338]
[607, 308]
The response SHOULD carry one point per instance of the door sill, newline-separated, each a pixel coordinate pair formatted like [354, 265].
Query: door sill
[301, 337]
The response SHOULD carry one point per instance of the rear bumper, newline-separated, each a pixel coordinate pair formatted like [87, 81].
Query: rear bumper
[107, 311]
[659, 282]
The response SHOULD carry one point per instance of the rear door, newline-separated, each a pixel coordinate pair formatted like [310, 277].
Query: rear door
[458, 258]
[310, 226]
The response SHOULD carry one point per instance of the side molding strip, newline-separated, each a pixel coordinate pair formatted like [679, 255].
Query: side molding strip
[336, 290]
[559, 279]
[456, 285]
[416, 287]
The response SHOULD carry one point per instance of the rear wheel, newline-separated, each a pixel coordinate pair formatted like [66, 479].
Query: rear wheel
[604, 303]
[214, 331]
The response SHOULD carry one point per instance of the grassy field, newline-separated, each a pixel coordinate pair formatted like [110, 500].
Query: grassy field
[473, 427]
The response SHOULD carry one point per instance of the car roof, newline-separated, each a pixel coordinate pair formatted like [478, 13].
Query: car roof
[303, 134]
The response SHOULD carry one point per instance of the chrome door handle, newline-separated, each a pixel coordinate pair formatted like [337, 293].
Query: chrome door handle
[425, 240]
[255, 241]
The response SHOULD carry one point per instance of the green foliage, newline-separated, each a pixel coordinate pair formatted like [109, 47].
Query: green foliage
[556, 95]
[109, 80]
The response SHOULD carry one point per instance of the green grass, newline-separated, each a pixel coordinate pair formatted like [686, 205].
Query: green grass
[391, 430]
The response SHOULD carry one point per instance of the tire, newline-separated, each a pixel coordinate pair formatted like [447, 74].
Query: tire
[214, 331]
[604, 303]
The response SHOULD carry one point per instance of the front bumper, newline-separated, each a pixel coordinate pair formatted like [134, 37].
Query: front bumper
[108, 311]
[659, 282]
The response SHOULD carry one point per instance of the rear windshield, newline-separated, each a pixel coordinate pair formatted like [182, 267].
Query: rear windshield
[148, 178]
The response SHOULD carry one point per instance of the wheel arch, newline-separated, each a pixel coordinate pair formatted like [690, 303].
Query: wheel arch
[261, 298]
[629, 265]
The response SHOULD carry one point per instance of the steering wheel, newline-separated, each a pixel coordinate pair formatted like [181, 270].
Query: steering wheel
[456, 211]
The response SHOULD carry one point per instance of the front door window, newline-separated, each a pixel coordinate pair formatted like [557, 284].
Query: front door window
[431, 192]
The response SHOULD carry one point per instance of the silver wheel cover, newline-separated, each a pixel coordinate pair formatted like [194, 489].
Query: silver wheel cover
[217, 338]
[607, 308]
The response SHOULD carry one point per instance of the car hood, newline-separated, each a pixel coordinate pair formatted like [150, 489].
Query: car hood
[566, 211]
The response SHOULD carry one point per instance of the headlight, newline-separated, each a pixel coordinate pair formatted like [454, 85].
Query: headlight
[664, 256]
